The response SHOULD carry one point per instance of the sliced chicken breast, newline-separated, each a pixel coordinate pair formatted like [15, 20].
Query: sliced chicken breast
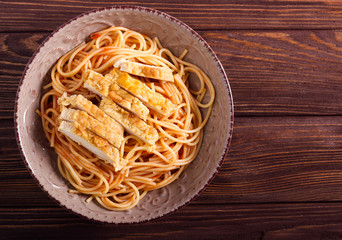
[144, 70]
[130, 122]
[97, 145]
[128, 101]
[151, 99]
[104, 87]
[96, 83]
[81, 103]
[90, 123]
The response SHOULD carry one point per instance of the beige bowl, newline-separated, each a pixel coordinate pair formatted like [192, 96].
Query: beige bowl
[175, 35]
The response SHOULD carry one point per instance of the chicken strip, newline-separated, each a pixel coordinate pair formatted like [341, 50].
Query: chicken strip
[96, 83]
[90, 123]
[81, 103]
[104, 87]
[144, 70]
[97, 145]
[130, 122]
[152, 100]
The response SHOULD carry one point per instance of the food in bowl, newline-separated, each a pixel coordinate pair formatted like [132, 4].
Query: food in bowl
[122, 117]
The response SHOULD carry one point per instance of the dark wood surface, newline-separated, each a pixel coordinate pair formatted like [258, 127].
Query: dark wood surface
[282, 178]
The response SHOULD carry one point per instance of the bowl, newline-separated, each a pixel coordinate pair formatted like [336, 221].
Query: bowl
[41, 160]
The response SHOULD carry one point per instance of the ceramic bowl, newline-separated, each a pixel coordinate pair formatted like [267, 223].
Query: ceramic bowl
[175, 35]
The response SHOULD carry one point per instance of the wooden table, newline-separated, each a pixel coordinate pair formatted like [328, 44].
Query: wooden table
[282, 178]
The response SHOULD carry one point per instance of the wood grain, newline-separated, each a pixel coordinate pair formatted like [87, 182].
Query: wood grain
[282, 177]
[282, 72]
[218, 14]
[272, 73]
[271, 159]
[303, 220]
[284, 159]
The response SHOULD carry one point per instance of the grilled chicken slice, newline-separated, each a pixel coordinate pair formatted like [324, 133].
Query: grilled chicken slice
[96, 83]
[143, 70]
[128, 101]
[104, 87]
[81, 103]
[152, 100]
[130, 122]
[97, 145]
[90, 123]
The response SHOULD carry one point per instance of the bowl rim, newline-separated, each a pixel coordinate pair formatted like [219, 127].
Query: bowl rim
[138, 9]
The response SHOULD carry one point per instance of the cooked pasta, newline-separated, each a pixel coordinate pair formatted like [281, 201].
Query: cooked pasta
[148, 167]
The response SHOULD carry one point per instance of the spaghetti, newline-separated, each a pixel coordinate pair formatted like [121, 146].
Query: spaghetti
[180, 134]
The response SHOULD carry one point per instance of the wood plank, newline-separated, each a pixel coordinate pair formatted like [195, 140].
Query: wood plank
[282, 72]
[43, 15]
[271, 159]
[233, 221]
[271, 72]
[281, 159]
[15, 52]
